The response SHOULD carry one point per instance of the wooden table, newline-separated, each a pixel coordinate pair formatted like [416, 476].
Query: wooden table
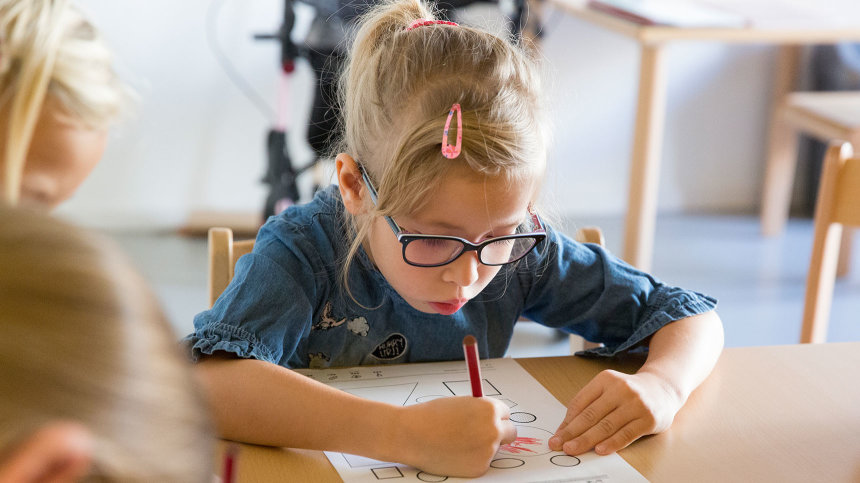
[790, 23]
[783, 413]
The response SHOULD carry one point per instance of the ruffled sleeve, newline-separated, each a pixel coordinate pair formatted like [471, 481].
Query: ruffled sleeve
[266, 311]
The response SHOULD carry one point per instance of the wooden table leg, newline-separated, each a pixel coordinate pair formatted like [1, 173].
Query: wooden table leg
[782, 147]
[645, 164]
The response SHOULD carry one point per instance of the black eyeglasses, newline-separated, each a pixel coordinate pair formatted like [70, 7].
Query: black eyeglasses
[438, 250]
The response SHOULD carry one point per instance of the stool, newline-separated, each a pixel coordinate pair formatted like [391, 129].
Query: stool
[829, 116]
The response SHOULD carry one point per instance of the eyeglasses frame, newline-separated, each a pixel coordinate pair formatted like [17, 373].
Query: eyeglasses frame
[405, 237]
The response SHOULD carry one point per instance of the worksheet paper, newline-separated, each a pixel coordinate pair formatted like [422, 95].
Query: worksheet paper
[535, 412]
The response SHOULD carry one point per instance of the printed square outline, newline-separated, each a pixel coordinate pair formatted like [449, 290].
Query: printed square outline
[387, 473]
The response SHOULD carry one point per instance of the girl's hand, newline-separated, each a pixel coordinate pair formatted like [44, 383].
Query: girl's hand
[613, 410]
[454, 436]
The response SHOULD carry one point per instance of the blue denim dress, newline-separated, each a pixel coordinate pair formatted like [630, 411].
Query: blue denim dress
[286, 303]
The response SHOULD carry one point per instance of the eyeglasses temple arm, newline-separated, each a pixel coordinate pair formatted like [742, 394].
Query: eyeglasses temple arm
[371, 190]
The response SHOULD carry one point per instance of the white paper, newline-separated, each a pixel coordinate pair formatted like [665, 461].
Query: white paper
[534, 410]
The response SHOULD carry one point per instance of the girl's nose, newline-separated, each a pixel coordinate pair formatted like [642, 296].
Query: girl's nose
[464, 270]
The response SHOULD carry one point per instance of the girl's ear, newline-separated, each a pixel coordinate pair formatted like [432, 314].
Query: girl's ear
[58, 451]
[350, 183]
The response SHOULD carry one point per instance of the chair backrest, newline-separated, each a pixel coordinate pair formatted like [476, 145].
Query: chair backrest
[844, 206]
[588, 234]
[223, 255]
[838, 205]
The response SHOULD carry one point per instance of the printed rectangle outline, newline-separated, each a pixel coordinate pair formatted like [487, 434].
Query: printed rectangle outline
[497, 393]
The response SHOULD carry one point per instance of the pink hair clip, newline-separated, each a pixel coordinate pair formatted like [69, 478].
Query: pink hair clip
[422, 22]
[448, 150]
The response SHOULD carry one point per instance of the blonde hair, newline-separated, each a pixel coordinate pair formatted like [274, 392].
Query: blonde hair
[84, 340]
[397, 89]
[47, 48]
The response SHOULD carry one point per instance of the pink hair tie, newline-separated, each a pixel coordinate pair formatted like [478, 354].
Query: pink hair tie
[448, 150]
[422, 22]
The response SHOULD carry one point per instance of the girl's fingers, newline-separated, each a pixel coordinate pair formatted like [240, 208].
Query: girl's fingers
[596, 432]
[629, 433]
[587, 395]
[509, 433]
[503, 416]
[612, 433]
[617, 410]
[582, 422]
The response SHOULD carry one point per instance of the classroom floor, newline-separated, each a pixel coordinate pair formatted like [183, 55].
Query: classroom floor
[759, 282]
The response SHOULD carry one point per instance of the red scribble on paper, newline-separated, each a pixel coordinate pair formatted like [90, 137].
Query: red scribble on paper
[520, 445]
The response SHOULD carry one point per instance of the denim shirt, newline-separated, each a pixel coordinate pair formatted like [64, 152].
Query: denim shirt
[287, 304]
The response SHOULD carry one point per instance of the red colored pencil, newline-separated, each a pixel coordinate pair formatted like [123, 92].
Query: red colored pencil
[470, 348]
[230, 453]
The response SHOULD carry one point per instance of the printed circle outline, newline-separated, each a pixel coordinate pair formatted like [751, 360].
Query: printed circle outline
[565, 460]
[523, 417]
[430, 477]
[531, 432]
[508, 463]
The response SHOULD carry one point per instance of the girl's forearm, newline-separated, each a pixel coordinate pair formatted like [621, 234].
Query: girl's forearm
[257, 402]
[684, 352]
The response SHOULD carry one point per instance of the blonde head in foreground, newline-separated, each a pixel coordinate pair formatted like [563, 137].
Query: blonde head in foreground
[91, 379]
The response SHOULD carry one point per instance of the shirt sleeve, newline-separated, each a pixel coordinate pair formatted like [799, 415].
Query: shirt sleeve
[265, 310]
[583, 289]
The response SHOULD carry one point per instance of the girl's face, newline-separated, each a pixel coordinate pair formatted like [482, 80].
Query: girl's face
[60, 157]
[465, 206]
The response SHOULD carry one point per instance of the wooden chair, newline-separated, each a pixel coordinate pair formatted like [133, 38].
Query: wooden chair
[838, 207]
[588, 234]
[829, 116]
[224, 252]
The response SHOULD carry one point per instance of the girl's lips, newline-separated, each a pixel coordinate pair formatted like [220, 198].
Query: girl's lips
[448, 307]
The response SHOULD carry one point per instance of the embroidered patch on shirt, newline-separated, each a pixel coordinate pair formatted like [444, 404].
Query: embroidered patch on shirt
[392, 348]
[358, 326]
[326, 321]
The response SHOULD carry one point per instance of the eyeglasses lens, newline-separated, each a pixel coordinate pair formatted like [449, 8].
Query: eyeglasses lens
[432, 251]
[507, 250]
[436, 251]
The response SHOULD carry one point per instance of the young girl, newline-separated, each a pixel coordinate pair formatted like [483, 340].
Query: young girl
[92, 386]
[433, 234]
[58, 94]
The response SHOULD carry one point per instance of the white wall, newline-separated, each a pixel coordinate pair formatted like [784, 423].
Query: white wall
[718, 97]
[196, 143]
